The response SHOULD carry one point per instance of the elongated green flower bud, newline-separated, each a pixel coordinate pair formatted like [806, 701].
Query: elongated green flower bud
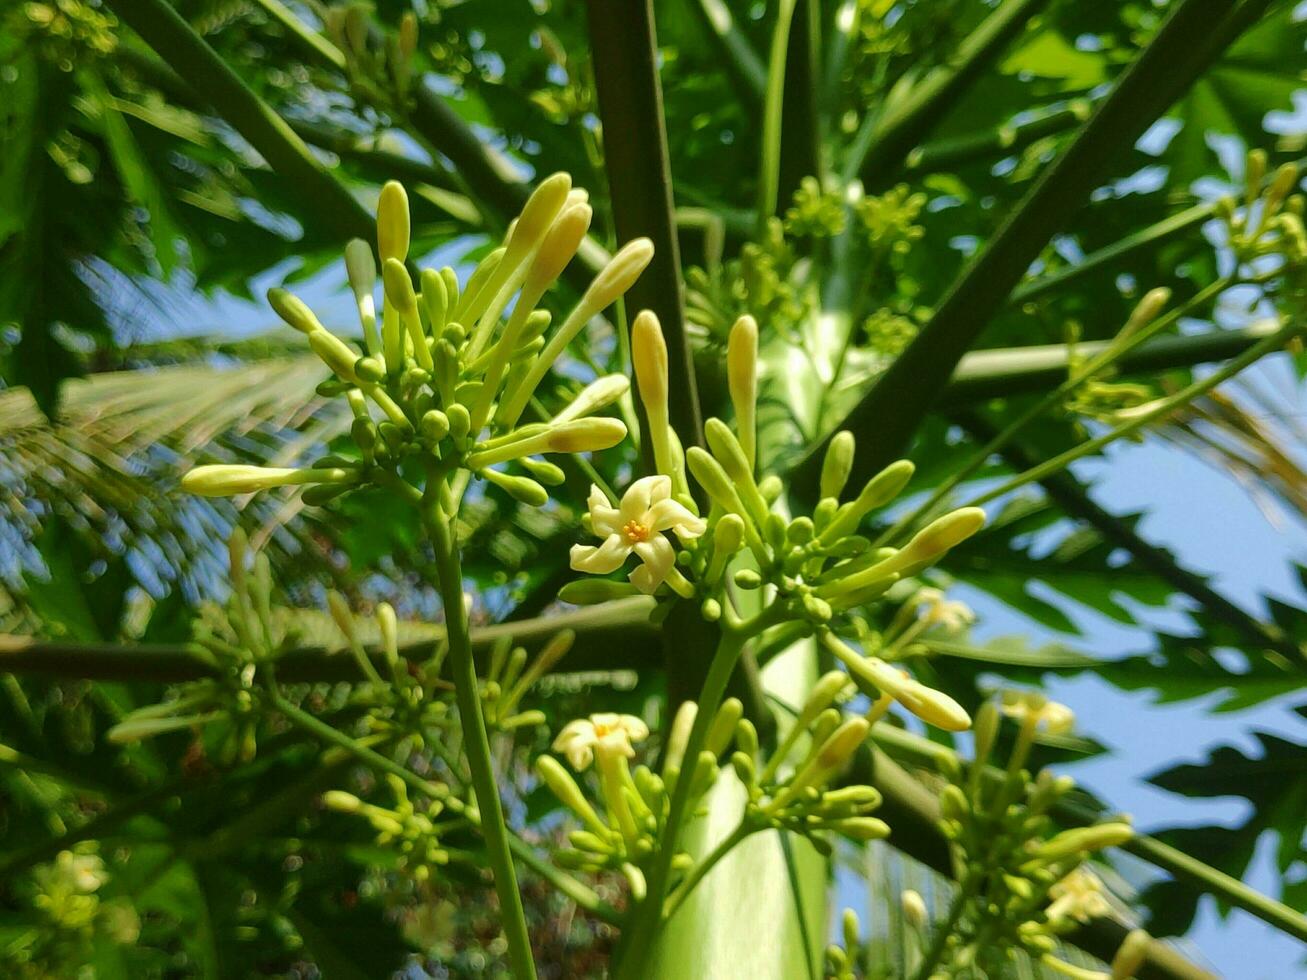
[1084, 840]
[472, 301]
[728, 451]
[597, 395]
[861, 828]
[843, 742]
[679, 736]
[1131, 955]
[926, 547]
[710, 475]
[392, 222]
[577, 436]
[592, 591]
[388, 626]
[879, 490]
[341, 802]
[399, 291]
[742, 379]
[225, 480]
[613, 280]
[723, 726]
[361, 269]
[837, 465]
[1145, 311]
[1282, 185]
[563, 786]
[435, 299]
[649, 361]
[521, 488]
[434, 425]
[546, 472]
[294, 311]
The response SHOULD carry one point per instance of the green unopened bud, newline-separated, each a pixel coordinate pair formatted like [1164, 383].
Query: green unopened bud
[742, 380]
[728, 535]
[747, 578]
[842, 743]
[1084, 840]
[711, 610]
[460, 422]
[943, 534]
[771, 487]
[592, 591]
[294, 311]
[1131, 955]
[986, 730]
[879, 490]
[914, 908]
[544, 471]
[369, 369]
[1146, 311]
[746, 737]
[435, 299]
[521, 488]
[823, 693]
[1282, 185]
[597, 395]
[723, 726]
[563, 786]
[744, 767]
[342, 802]
[953, 803]
[588, 840]
[225, 480]
[800, 531]
[538, 215]
[388, 627]
[560, 244]
[531, 339]
[855, 798]
[399, 287]
[649, 360]
[861, 828]
[837, 464]
[434, 425]
[679, 736]
[817, 608]
[710, 475]
[392, 222]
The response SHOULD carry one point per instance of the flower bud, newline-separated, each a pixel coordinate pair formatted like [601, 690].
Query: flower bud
[592, 591]
[861, 828]
[1282, 184]
[399, 287]
[728, 535]
[879, 490]
[746, 737]
[435, 299]
[742, 379]
[747, 578]
[388, 626]
[837, 464]
[679, 735]
[342, 802]
[434, 425]
[523, 489]
[225, 480]
[914, 908]
[563, 786]
[560, 244]
[460, 424]
[544, 471]
[597, 395]
[649, 359]
[1084, 840]
[986, 730]
[828, 687]
[1146, 311]
[1131, 955]
[294, 311]
[857, 798]
[710, 475]
[711, 610]
[723, 726]
[843, 742]
[392, 222]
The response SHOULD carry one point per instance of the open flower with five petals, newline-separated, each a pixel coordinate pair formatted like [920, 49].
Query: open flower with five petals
[606, 732]
[636, 526]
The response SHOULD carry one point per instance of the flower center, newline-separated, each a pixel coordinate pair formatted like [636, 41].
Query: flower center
[635, 531]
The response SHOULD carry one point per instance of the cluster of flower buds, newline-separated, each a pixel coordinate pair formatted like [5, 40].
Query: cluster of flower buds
[511, 675]
[842, 961]
[622, 832]
[237, 638]
[413, 835]
[1022, 884]
[379, 66]
[446, 378]
[1270, 221]
[818, 565]
[1098, 397]
[792, 790]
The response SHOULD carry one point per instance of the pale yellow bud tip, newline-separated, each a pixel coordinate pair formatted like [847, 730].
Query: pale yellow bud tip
[393, 222]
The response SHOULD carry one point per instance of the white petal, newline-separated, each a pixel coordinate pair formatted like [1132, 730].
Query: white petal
[658, 556]
[608, 557]
[669, 515]
[604, 518]
[641, 494]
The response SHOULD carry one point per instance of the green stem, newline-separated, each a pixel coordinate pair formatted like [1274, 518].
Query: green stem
[449, 572]
[567, 885]
[948, 153]
[1162, 408]
[743, 62]
[1104, 358]
[683, 890]
[939, 942]
[769, 172]
[646, 917]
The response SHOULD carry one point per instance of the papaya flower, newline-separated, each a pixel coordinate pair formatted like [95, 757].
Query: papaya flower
[606, 733]
[637, 526]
